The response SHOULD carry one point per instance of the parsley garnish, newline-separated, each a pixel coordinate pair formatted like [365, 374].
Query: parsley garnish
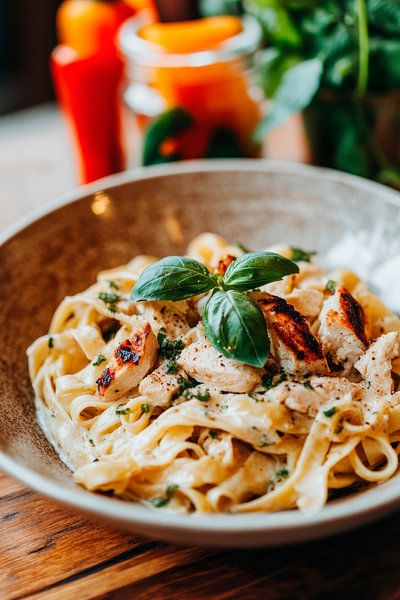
[109, 299]
[50, 342]
[160, 501]
[329, 412]
[186, 383]
[269, 380]
[331, 286]
[282, 473]
[201, 395]
[170, 349]
[113, 285]
[145, 408]
[100, 359]
[213, 434]
[301, 255]
[172, 366]
[91, 442]
[122, 411]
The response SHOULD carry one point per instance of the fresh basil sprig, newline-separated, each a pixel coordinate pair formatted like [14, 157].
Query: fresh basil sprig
[173, 278]
[235, 325]
[233, 322]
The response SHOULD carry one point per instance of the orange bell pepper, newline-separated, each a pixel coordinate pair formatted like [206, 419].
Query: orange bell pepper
[192, 36]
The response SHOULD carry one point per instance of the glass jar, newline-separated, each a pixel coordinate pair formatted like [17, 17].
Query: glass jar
[190, 105]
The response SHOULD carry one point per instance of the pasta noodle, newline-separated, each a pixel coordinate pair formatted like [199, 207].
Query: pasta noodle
[207, 448]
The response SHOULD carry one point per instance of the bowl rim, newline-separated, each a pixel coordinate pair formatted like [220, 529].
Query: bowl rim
[372, 502]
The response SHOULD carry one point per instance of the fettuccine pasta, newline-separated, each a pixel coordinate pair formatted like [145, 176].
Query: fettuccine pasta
[137, 402]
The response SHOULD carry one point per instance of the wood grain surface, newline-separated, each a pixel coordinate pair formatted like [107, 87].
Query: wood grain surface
[49, 552]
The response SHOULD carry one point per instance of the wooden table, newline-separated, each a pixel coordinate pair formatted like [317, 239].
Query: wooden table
[49, 552]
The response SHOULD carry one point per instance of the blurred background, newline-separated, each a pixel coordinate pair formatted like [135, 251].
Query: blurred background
[92, 87]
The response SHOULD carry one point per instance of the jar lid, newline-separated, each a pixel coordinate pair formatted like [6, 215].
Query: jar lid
[140, 52]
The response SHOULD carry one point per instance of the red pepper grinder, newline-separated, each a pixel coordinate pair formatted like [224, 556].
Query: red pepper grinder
[87, 73]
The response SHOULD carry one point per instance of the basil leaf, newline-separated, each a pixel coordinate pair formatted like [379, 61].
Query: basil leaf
[172, 278]
[255, 269]
[236, 327]
[298, 87]
[168, 125]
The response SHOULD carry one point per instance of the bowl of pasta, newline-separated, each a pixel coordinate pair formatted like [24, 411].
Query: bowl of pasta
[207, 353]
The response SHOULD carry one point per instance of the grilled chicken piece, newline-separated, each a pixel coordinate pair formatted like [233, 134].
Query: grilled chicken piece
[375, 365]
[172, 316]
[310, 396]
[342, 328]
[307, 301]
[293, 345]
[131, 361]
[224, 263]
[160, 386]
[201, 361]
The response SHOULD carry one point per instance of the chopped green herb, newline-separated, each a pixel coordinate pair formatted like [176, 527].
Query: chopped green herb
[160, 501]
[100, 359]
[213, 433]
[201, 395]
[91, 442]
[145, 408]
[329, 412]
[169, 349]
[113, 285]
[186, 383]
[109, 299]
[172, 366]
[269, 380]
[282, 473]
[297, 254]
[331, 286]
[307, 384]
[111, 331]
[50, 342]
[122, 411]
[368, 384]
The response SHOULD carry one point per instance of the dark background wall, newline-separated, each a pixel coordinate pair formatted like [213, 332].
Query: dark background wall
[27, 35]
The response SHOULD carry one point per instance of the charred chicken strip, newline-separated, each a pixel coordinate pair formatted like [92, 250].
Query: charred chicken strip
[132, 359]
[293, 345]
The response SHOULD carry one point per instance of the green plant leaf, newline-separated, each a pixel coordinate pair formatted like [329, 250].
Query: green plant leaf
[384, 15]
[168, 125]
[236, 327]
[209, 8]
[298, 87]
[277, 23]
[173, 278]
[255, 269]
[273, 65]
[384, 64]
